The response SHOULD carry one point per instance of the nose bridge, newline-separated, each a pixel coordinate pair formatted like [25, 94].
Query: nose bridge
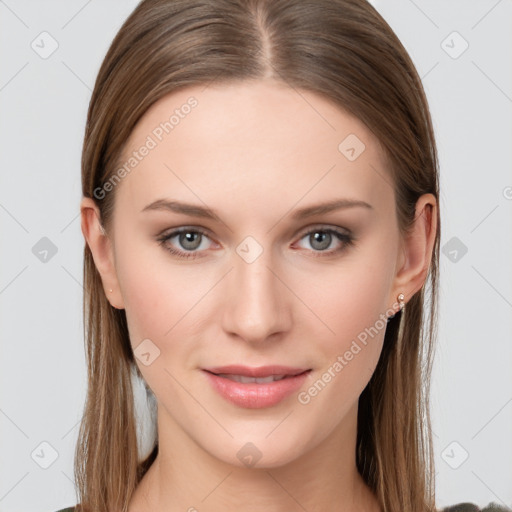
[255, 305]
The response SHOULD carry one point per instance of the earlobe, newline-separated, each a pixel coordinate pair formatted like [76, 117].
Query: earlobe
[101, 248]
[417, 248]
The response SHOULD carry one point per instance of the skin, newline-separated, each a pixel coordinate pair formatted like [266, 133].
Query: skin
[255, 152]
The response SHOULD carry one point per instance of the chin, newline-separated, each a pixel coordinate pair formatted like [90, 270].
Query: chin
[260, 453]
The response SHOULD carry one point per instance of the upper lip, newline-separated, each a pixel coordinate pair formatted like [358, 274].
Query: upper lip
[260, 371]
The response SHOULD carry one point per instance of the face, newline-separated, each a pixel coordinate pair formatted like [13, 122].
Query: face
[255, 273]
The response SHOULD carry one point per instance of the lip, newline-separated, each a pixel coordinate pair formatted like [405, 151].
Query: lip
[256, 371]
[256, 395]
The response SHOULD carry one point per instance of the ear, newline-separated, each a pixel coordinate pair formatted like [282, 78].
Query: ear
[416, 252]
[100, 245]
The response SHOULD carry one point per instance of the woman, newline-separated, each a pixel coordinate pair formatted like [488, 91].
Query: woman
[260, 185]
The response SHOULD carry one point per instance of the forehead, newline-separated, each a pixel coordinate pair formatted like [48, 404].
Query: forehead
[248, 140]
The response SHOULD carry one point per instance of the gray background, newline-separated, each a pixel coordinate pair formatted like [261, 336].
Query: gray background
[43, 104]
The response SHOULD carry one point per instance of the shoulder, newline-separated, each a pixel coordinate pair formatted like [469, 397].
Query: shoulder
[69, 509]
[471, 507]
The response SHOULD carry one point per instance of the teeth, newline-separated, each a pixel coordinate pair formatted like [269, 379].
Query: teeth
[248, 380]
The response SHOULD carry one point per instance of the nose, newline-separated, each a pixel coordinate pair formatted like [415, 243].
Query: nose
[257, 303]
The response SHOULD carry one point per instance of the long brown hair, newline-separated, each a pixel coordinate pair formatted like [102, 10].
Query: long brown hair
[345, 51]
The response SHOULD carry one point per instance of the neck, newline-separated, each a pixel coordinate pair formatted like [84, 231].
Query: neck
[184, 477]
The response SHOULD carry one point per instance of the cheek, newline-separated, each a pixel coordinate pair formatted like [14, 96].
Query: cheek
[352, 298]
[353, 306]
[157, 295]
[349, 359]
[153, 288]
[159, 301]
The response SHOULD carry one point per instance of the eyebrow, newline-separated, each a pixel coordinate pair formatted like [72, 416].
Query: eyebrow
[204, 212]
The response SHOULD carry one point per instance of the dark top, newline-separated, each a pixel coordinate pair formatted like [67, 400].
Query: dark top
[460, 507]
[470, 507]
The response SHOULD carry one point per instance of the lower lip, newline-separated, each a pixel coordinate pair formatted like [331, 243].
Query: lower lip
[253, 395]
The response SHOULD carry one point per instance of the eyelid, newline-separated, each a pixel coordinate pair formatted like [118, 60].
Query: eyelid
[170, 232]
[323, 227]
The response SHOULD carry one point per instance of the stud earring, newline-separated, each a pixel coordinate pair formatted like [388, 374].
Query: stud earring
[400, 297]
[111, 290]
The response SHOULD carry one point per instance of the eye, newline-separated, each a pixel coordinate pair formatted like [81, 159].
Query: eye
[189, 242]
[321, 239]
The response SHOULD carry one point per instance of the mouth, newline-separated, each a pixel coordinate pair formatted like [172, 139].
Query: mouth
[250, 380]
[259, 374]
[256, 387]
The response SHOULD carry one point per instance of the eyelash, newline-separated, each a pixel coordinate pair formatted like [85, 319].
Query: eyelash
[347, 239]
